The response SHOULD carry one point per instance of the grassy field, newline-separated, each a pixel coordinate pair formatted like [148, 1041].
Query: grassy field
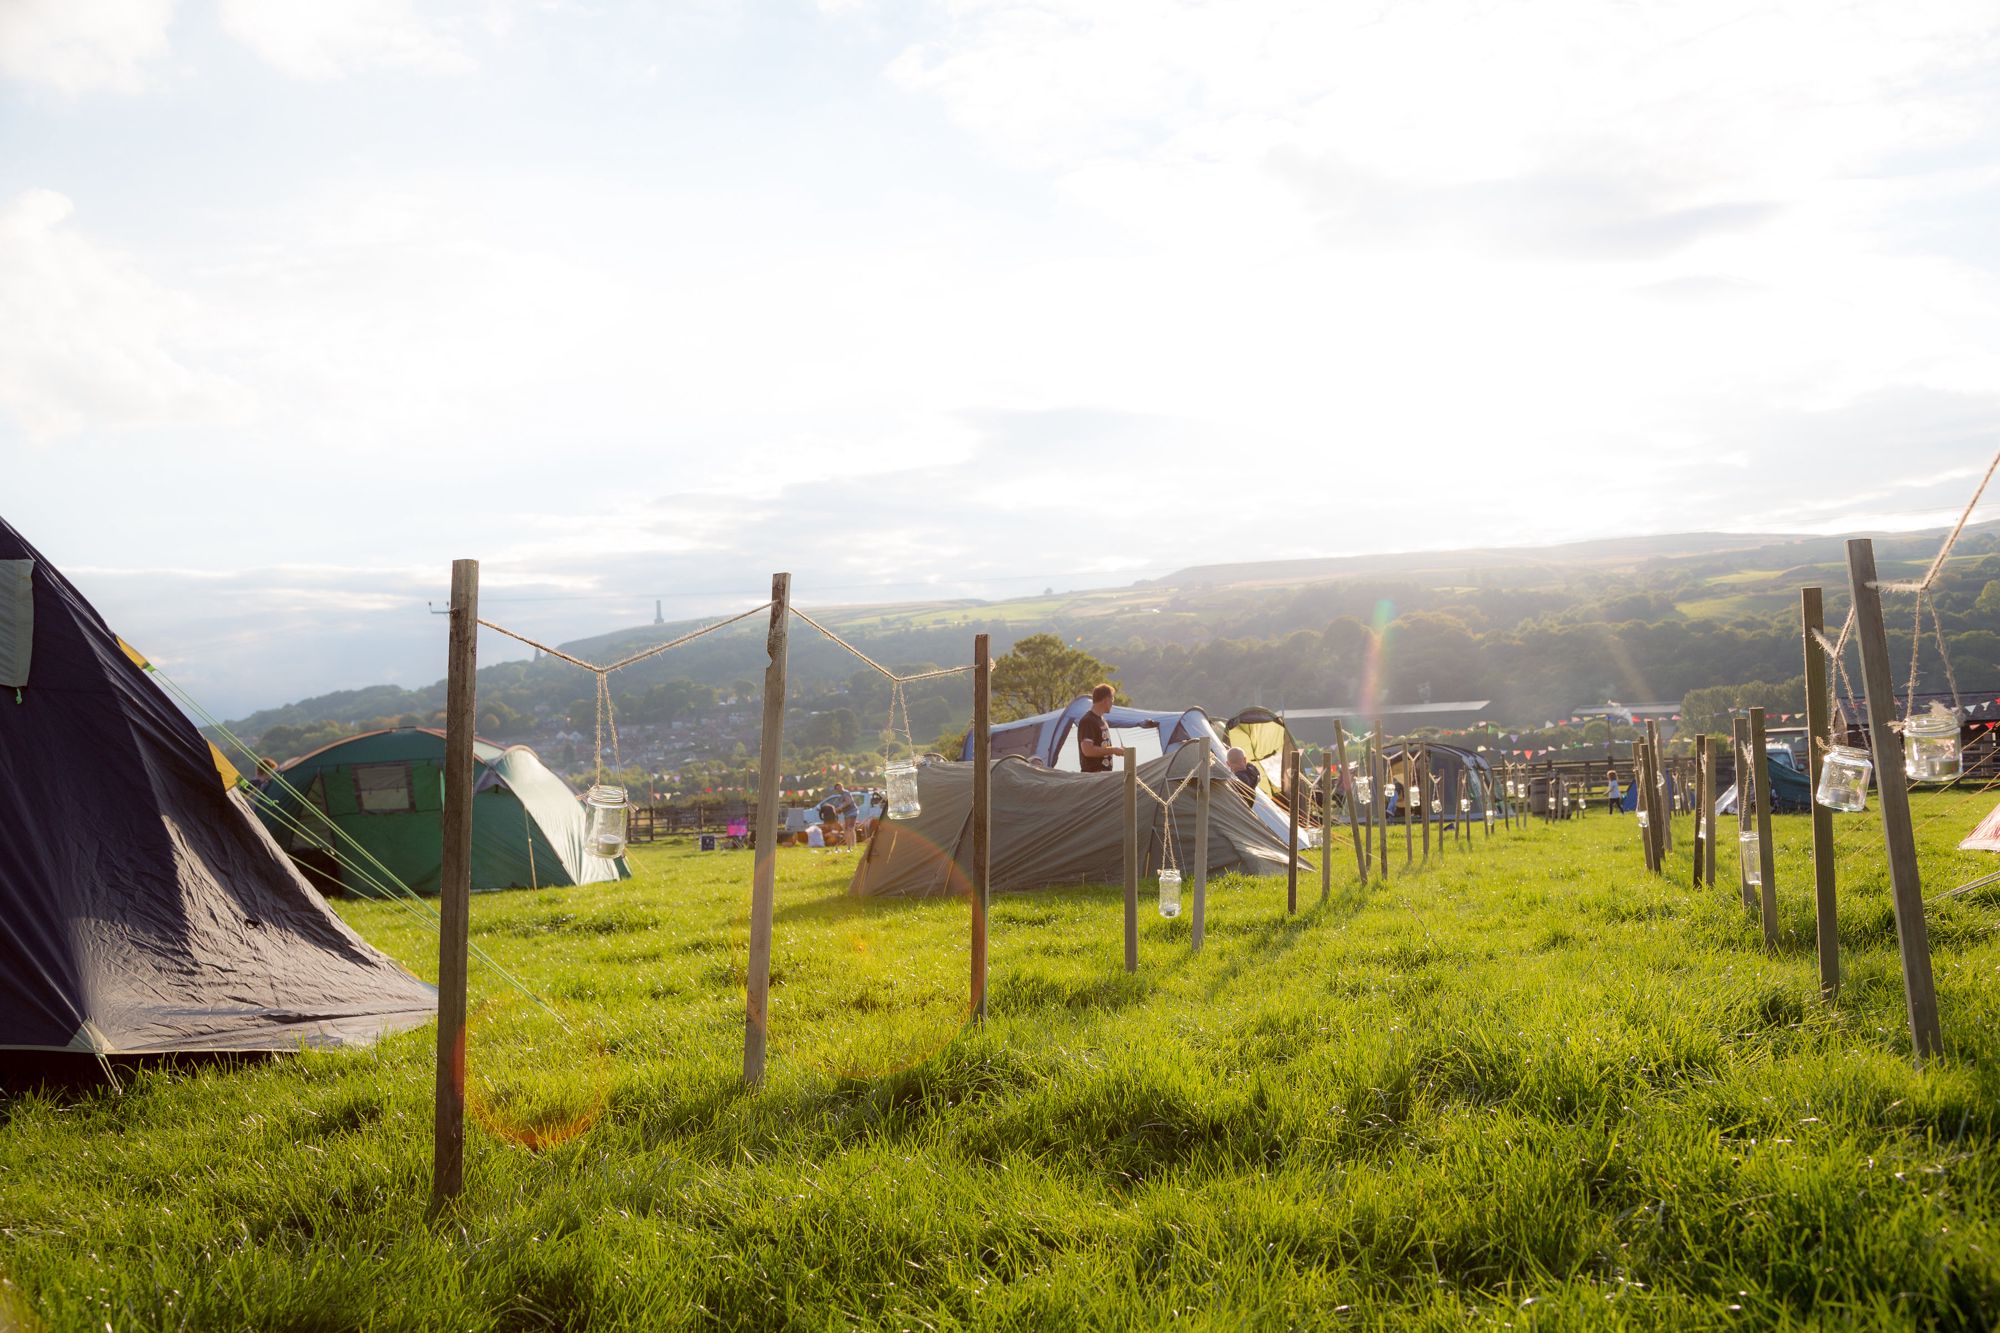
[1528, 1085]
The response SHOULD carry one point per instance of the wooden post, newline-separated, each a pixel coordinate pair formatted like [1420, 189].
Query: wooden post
[1328, 787]
[1424, 811]
[1768, 900]
[1658, 807]
[455, 893]
[1381, 806]
[1707, 813]
[1353, 806]
[1702, 834]
[1410, 798]
[1892, 787]
[1131, 862]
[1289, 766]
[1739, 741]
[1663, 814]
[1819, 734]
[764, 869]
[1201, 798]
[982, 816]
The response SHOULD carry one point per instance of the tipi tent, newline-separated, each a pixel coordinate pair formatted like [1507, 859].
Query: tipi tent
[143, 909]
[1055, 827]
[385, 791]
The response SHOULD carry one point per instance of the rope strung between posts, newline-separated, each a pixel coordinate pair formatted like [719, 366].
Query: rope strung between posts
[899, 701]
[1944, 552]
[606, 716]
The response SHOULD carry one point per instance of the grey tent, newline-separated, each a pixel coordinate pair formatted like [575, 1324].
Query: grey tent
[143, 908]
[1056, 827]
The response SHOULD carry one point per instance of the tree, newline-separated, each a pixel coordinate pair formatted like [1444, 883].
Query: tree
[1042, 674]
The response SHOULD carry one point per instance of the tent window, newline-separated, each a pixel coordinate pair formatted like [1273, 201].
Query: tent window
[382, 789]
[316, 793]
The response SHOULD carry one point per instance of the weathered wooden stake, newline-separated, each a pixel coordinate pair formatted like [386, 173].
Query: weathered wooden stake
[1411, 797]
[1381, 770]
[1131, 862]
[764, 869]
[982, 816]
[1354, 821]
[1819, 735]
[1892, 788]
[455, 893]
[1739, 741]
[1767, 907]
[1423, 801]
[1327, 789]
[1707, 813]
[1663, 812]
[1201, 798]
[1289, 766]
[1702, 834]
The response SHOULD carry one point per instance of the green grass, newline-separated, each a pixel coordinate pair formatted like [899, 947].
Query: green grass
[1528, 1084]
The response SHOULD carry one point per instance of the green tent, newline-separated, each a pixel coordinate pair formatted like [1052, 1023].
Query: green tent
[385, 791]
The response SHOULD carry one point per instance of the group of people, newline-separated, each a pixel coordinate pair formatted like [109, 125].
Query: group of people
[839, 824]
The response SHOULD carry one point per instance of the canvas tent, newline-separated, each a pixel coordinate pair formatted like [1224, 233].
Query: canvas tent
[1056, 827]
[143, 909]
[1456, 774]
[385, 790]
[1049, 739]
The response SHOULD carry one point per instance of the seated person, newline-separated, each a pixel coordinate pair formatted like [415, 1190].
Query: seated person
[1245, 773]
[815, 836]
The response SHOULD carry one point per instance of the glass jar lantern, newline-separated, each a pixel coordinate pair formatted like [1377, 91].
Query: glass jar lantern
[1364, 791]
[902, 782]
[1310, 836]
[1752, 848]
[1843, 778]
[1465, 805]
[1930, 746]
[1170, 893]
[604, 812]
[1645, 821]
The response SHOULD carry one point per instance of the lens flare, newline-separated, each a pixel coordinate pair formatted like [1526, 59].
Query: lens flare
[1377, 660]
[530, 1080]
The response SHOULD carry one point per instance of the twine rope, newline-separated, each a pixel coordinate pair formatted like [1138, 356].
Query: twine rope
[606, 715]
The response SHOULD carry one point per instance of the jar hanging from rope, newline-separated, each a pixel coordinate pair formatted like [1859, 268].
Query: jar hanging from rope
[1364, 791]
[1170, 893]
[1843, 778]
[1930, 746]
[605, 809]
[901, 778]
[1752, 848]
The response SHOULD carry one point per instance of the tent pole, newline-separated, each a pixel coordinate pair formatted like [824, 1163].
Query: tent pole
[455, 886]
[764, 869]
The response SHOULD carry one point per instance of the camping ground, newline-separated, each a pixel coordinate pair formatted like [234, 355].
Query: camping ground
[1529, 1084]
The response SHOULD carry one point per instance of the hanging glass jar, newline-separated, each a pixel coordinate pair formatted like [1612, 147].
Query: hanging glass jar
[604, 811]
[1364, 791]
[1843, 778]
[901, 778]
[1310, 836]
[1645, 821]
[1465, 805]
[1170, 893]
[1437, 806]
[1753, 857]
[1930, 746]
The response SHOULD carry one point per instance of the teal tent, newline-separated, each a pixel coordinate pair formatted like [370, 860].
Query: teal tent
[384, 790]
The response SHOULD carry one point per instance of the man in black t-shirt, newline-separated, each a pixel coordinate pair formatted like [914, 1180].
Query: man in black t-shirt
[1093, 734]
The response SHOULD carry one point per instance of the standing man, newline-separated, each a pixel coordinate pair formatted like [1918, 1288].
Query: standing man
[1093, 734]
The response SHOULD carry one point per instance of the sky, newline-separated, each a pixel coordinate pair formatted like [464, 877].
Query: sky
[299, 302]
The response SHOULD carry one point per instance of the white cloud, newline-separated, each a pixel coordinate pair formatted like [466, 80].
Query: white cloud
[86, 338]
[79, 46]
[324, 39]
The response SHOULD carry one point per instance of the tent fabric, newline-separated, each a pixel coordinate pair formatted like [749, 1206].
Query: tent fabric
[17, 621]
[1261, 734]
[1041, 738]
[143, 908]
[1791, 790]
[385, 790]
[1456, 772]
[1055, 827]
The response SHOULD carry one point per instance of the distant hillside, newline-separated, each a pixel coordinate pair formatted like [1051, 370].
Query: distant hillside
[1536, 629]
